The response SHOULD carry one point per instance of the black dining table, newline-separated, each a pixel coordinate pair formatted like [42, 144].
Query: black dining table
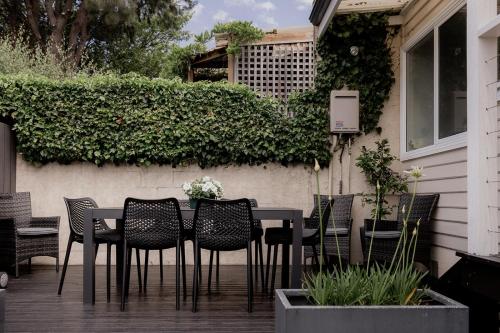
[287, 215]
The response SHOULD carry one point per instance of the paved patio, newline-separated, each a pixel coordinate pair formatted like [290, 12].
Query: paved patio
[33, 304]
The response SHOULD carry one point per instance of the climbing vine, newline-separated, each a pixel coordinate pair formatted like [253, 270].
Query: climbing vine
[355, 52]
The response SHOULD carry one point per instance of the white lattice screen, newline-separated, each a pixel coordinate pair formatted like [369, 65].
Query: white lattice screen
[276, 69]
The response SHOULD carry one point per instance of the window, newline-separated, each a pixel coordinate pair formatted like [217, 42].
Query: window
[436, 87]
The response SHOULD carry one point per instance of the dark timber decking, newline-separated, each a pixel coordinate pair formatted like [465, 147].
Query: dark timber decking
[33, 305]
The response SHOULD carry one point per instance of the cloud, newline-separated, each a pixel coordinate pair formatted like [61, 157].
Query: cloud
[253, 4]
[221, 16]
[268, 19]
[304, 4]
[197, 11]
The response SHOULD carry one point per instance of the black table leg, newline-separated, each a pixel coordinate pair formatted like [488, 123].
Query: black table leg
[285, 259]
[119, 255]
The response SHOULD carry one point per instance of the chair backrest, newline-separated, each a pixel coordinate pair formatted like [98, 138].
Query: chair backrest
[326, 209]
[16, 206]
[76, 214]
[422, 208]
[152, 224]
[341, 210]
[225, 224]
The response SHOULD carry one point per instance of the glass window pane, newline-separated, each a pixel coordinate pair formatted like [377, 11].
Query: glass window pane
[453, 75]
[420, 94]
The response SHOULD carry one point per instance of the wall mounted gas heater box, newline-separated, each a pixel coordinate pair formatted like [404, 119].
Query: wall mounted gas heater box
[344, 111]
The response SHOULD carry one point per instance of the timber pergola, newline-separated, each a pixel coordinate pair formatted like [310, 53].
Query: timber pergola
[216, 58]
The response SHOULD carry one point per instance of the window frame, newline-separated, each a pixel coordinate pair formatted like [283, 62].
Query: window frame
[440, 145]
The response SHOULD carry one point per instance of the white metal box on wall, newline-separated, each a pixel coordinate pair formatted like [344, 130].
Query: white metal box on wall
[344, 111]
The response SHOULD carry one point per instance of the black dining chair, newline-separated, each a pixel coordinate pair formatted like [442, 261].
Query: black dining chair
[152, 225]
[103, 235]
[223, 225]
[258, 232]
[310, 238]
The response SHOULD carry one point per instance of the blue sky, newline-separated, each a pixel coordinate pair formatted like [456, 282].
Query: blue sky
[266, 14]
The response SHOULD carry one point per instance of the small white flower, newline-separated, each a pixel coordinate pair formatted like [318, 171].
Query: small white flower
[206, 179]
[378, 186]
[415, 172]
[415, 232]
[404, 209]
[186, 187]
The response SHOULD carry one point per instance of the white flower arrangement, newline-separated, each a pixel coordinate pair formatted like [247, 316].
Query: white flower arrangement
[205, 187]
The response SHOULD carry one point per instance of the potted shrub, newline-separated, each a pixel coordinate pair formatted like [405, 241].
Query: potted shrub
[375, 164]
[206, 188]
[370, 298]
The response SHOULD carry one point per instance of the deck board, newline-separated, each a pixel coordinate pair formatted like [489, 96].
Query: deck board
[32, 305]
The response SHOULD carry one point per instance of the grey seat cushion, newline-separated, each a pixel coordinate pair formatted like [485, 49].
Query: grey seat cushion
[383, 234]
[36, 231]
[339, 231]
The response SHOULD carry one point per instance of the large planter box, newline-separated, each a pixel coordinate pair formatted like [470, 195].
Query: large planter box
[294, 315]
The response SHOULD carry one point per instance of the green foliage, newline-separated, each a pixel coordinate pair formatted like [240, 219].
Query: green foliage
[17, 58]
[370, 71]
[375, 164]
[239, 33]
[398, 284]
[136, 120]
[179, 57]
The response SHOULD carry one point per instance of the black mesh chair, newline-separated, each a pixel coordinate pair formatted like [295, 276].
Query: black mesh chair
[223, 225]
[387, 233]
[310, 238]
[103, 235]
[152, 225]
[341, 215]
[258, 232]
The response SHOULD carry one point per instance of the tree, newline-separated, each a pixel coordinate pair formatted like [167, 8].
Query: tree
[67, 27]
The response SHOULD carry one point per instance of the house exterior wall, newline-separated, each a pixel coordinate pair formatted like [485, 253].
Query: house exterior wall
[446, 173]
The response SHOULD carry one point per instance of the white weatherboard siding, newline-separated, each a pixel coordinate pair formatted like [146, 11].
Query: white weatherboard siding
[446, 172]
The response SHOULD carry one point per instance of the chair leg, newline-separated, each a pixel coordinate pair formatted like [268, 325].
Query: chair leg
[65, 266]
[315, 257]
[261, 261]
[108, 273]
[177, 276]
[256, 259]
[17, 269]
[273, 278]
[129, 265]
[57, 263]
[146, 259]
[210, 271]
[161, 266]
[183, 256]
[124, 276]
[268, 264]
[195, 277]
[29, 265]
[138, 262]
[249, 276]
[217, 266]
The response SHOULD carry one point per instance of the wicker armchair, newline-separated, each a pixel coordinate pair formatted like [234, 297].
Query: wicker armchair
[22, 236]
[152, 225]
[223, 225]
[387, 233]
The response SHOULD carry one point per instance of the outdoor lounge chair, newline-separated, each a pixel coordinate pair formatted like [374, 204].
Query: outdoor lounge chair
[22, 236]
[387, 233]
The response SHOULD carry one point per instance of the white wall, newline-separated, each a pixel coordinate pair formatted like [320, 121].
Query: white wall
[271, 185]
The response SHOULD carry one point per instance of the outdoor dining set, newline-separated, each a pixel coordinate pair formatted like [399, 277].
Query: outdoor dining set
[213, 225]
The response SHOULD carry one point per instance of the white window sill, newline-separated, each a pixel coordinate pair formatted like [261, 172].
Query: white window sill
[443, 145]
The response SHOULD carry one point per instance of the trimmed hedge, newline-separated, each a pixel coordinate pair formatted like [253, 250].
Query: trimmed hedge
[136, 120]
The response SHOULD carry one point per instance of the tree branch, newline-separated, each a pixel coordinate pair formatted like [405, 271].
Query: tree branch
[49, 6]
[32, 12]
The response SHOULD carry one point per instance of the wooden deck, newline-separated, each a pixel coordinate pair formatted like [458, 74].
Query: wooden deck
[32, 304]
